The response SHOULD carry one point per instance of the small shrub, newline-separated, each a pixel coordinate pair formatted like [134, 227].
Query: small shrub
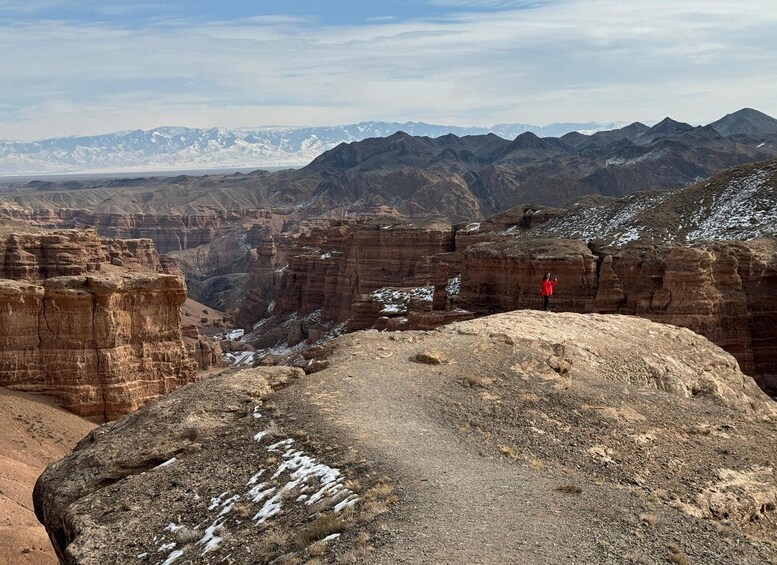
[649, 519]
[570, 489]
[323, 526]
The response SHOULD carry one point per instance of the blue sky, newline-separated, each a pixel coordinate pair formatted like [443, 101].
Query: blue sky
[81, 67]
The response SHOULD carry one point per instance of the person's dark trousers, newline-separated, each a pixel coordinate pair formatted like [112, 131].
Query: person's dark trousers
[546, 300]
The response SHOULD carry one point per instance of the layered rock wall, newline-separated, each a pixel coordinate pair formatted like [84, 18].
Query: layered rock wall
[333, 267]
[102, 338]
[169, 232]
[724, 291]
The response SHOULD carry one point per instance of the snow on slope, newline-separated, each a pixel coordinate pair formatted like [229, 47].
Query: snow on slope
[740, 204]
[618, 222]
[171, 148]
[746, 209]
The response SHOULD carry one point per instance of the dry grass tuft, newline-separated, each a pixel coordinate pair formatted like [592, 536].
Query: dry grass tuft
[243, 510]
[570, 489]
[649, 519]
[376, 501]
[272, 542]
[186, 535]
[508, 451]
[676, 555]
[323, 526]
[353, 485]
[381, 490]
[317, 549]
[535, 463]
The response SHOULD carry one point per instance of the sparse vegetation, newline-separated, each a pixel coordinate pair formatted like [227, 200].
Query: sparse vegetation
[323, 526]
[649, 519]
[185, 535]
[570, 489]
[272, 542]
[676, 555]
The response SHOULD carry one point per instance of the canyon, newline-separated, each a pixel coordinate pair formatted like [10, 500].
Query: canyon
[118, 293]
[394, 273]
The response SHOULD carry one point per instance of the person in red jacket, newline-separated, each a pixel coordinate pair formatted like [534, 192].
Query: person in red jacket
[547, 290]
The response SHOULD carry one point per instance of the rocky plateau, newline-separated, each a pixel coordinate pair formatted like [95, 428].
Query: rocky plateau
[528, 436]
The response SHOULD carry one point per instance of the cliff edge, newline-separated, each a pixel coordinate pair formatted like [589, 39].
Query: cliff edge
[522, 437]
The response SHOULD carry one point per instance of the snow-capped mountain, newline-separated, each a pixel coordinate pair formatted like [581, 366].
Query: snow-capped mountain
[174, 148]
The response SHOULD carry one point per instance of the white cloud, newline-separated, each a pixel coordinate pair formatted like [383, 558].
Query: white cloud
[559, 61]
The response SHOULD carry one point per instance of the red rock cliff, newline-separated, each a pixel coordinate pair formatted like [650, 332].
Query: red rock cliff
[724, 291]
[169, 232]
[330, 268]
[103, 339]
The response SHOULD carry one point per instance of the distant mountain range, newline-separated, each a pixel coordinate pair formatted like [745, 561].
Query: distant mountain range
[178, 148]
[464, 178]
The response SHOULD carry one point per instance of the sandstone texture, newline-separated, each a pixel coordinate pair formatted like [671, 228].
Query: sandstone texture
[169, 232]
[330, 269]
[723, 290]
[398, 275]
[36, 432]
[90, 322]
[524, 437]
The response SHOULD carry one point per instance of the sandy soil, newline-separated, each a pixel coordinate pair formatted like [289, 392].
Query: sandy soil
[35, 432]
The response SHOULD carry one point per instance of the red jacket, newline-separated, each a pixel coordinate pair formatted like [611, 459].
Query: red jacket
[547, 287]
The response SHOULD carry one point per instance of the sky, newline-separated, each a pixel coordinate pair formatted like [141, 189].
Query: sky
[80, 67]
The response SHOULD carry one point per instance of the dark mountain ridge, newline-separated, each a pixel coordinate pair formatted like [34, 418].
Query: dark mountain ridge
[746, 121]
[460, 178]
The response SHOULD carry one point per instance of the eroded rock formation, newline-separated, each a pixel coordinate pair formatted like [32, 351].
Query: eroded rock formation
[331, 268]
[90, 322]
[169, 232]
[724, 291]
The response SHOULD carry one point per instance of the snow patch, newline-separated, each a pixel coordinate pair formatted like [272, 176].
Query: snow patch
[396, 300]
[166, 463]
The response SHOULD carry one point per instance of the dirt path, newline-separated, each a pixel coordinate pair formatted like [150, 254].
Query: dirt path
[457, 505]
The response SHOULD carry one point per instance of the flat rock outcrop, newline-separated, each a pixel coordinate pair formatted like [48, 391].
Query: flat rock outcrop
[535, 437]
[90, 322]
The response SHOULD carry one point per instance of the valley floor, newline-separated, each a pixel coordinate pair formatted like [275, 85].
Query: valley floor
[36, 432]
